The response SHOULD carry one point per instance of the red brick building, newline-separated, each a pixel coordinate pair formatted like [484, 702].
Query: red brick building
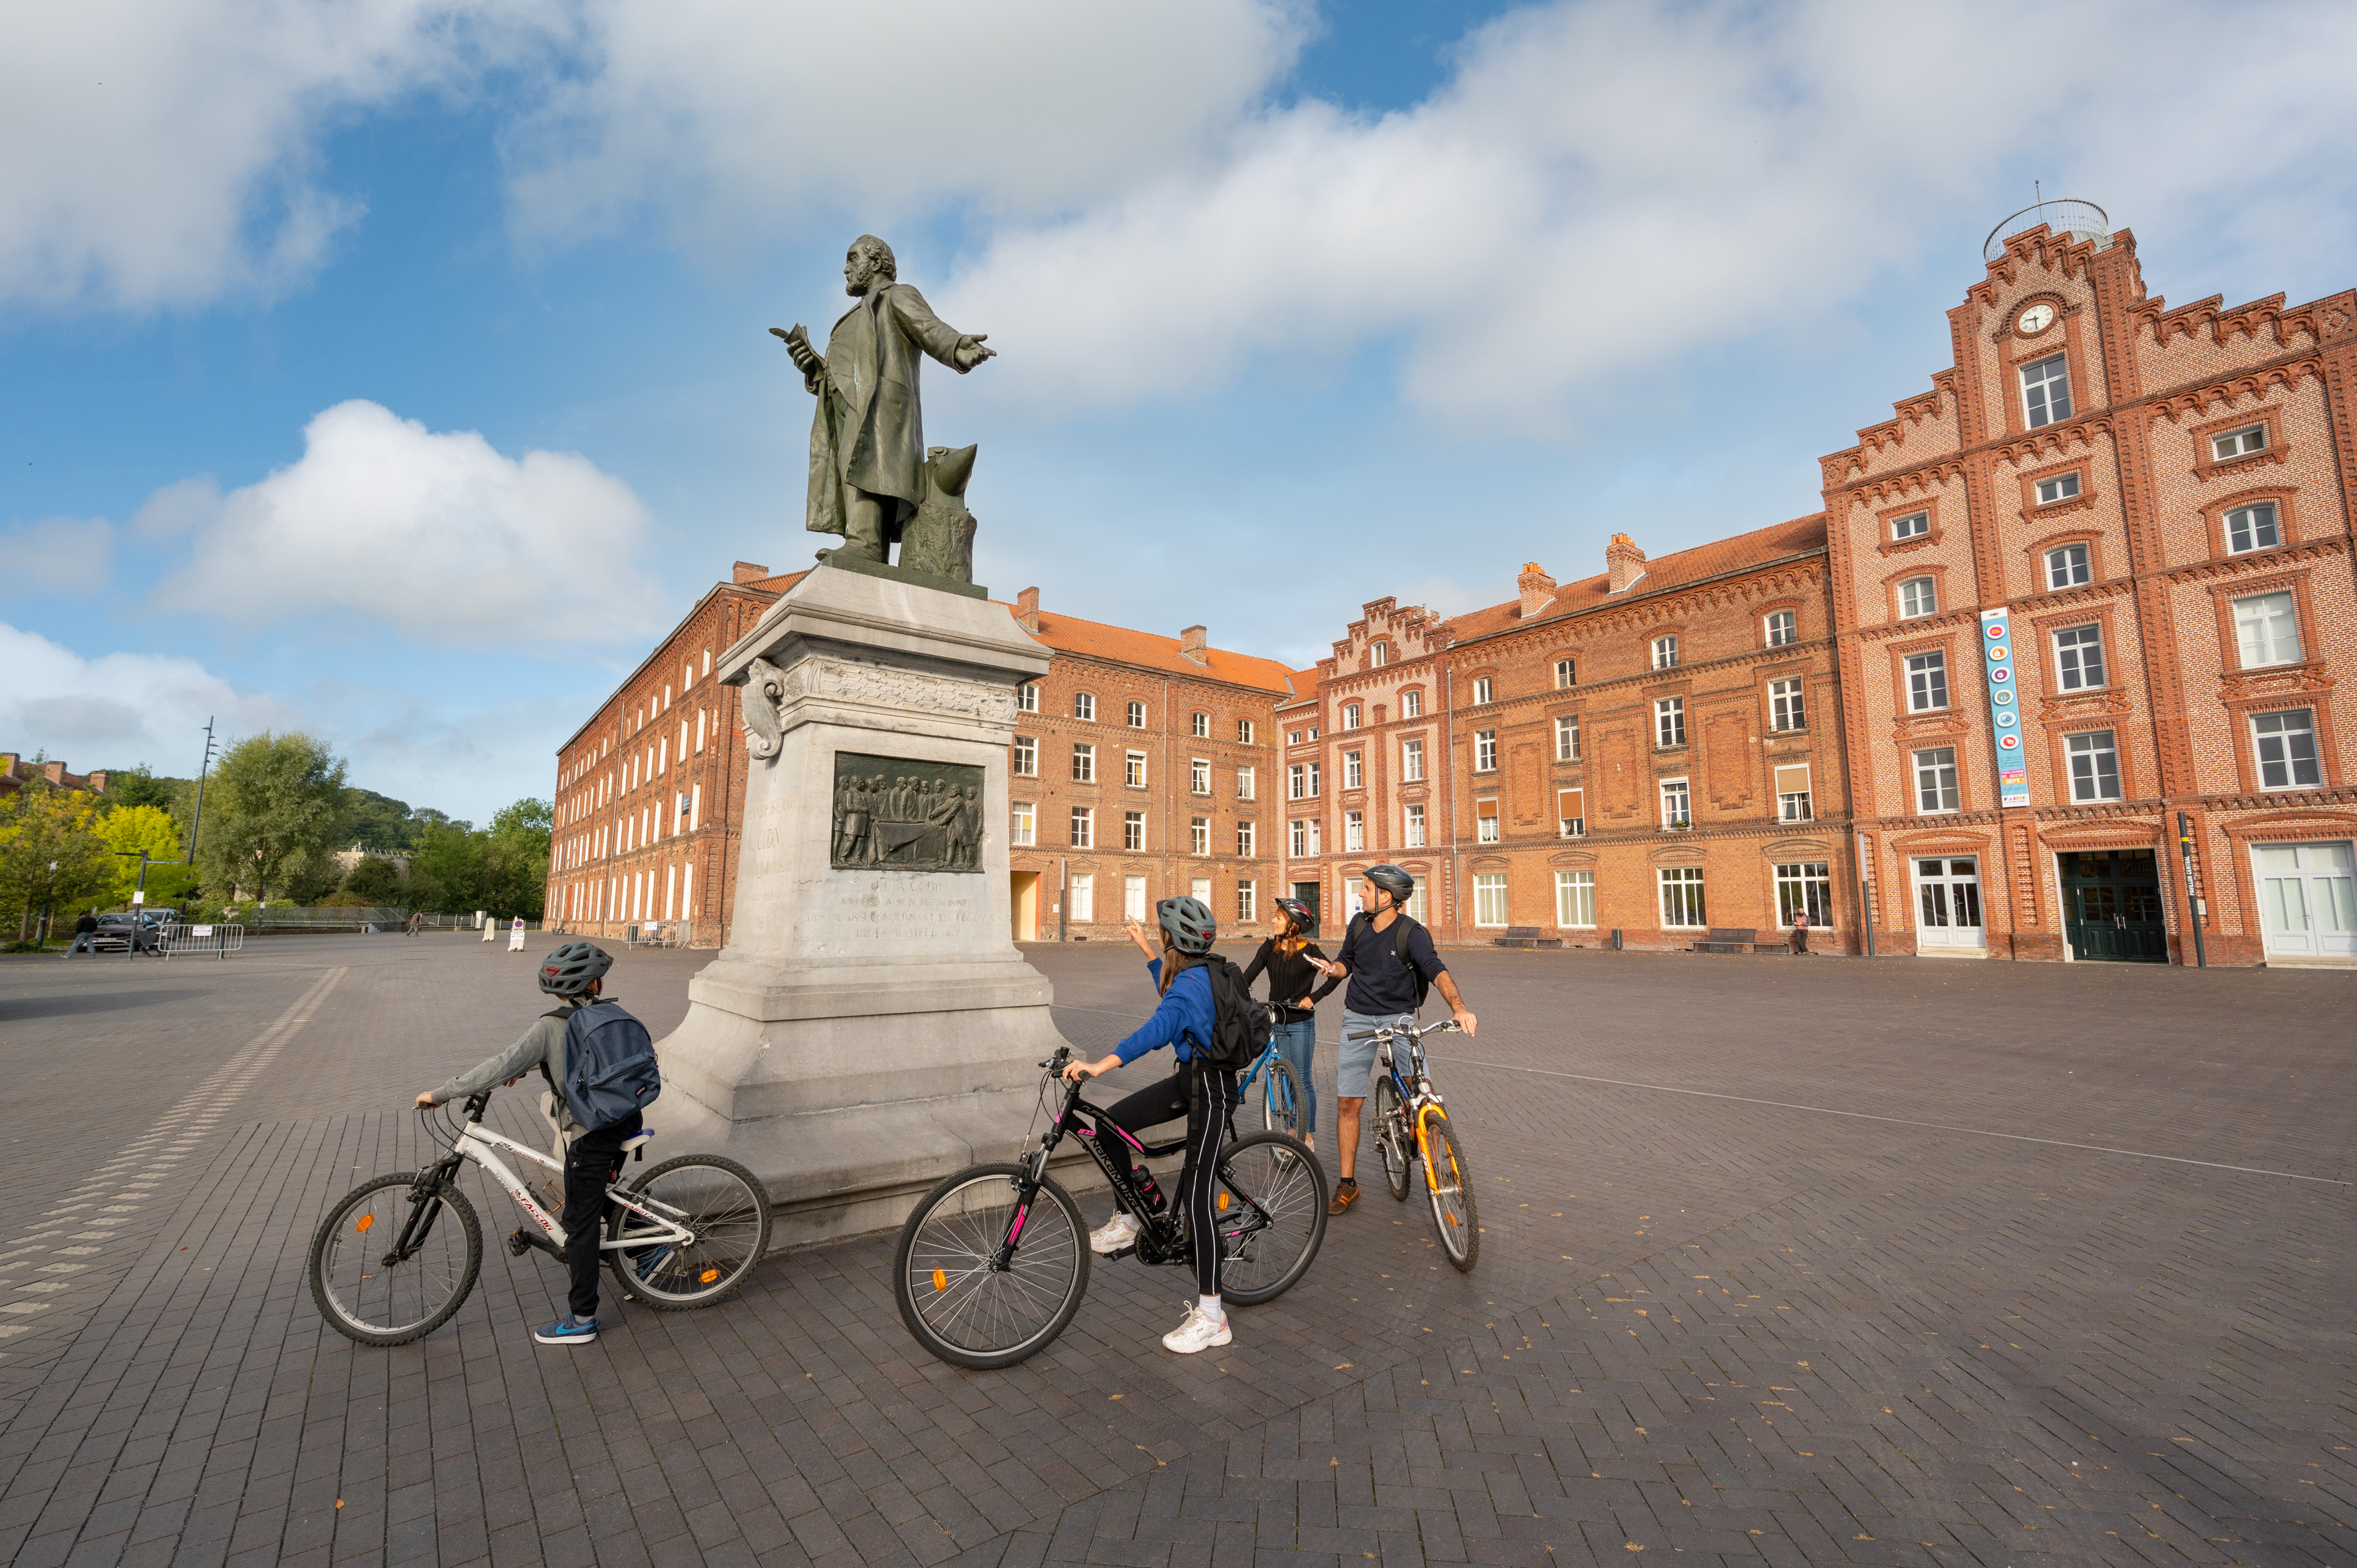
[2155, 503]
[16, 773]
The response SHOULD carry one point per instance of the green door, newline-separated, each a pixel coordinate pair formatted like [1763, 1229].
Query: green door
[2111, 906]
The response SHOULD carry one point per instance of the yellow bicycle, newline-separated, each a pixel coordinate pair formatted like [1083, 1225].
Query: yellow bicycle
[1411, 1129]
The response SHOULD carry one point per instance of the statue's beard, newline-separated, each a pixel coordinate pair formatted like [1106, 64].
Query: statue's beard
[859, 285]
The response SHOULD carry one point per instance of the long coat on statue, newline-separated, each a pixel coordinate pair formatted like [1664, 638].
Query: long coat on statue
[869, 430]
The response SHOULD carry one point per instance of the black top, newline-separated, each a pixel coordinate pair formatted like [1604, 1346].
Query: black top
[1380, 985]
[86, 924]
[1288, 980]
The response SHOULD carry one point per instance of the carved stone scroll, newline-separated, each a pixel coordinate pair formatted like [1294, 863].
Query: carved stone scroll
[764, 685]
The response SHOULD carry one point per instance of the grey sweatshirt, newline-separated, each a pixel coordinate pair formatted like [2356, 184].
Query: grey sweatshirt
[542, 1047]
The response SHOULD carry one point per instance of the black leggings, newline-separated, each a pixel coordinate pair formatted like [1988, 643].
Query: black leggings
[1205, 1097]
[591, 1161]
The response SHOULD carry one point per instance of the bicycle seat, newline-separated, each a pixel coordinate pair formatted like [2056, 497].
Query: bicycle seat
[639, 1140]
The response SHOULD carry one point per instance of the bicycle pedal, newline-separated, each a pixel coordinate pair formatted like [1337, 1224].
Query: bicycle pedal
[519, 1243]
[1128, 1252]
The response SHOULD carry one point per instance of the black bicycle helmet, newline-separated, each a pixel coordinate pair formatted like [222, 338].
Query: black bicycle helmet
[574, 968]
[1187, 924]
[1394, 880]
[1301, 917]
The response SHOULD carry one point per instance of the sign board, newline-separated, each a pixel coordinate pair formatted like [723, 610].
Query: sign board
[139, 896]
[516, 935]
[200, 931]
[2005, 708]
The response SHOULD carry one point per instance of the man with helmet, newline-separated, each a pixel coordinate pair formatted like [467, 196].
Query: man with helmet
[576, 972]
[1388, 965]
[1202, 1093]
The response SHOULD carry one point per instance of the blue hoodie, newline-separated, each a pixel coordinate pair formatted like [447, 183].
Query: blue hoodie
[1184, 1018]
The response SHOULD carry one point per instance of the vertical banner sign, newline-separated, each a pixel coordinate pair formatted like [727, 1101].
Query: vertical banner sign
[2005, 708]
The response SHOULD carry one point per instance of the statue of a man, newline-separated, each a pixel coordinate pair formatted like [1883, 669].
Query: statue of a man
[868, 440]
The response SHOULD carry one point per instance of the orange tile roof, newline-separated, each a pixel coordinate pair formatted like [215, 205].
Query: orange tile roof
[1069, 634]
[1664, 572]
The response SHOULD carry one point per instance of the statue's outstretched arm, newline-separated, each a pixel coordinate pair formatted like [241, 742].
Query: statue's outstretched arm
[807, 359]
[960, 352]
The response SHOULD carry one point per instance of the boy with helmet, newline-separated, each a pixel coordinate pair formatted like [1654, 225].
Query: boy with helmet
[575, 972]
[1200, 1092]
[1384, 964]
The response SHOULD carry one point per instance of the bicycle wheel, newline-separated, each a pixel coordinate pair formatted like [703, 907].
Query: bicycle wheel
[1390, 1147]
[952, 1295]
[1449, 1182]
[1271, 1216]
[720, 1202]
[1281, 1098]
[368, 1295]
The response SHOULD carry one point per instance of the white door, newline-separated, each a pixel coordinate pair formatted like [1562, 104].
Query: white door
[2308, 898]
[1948, 903]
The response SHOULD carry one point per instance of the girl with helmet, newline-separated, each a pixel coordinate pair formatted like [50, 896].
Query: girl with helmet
[1202, 1093]
[1293, 962]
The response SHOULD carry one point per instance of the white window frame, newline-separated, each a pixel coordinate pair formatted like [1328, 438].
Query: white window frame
[1483, 690]
[1198, 725]
[1485, 751]
[1665, 652]
[1133, 770]
[1084, 706]
[1788, 705]
[1412, 828]
[1024, 829]
[2283, 770]
[1199, 776]
[1939, 774]
[1026, 697]
[1813, 879]
[2270, 648]
[1355, 769]
[1489, 900]
[1132, 897]
[1412, 760]
[1914, 525]
[1927, 678]
[1412, 705]
[1199, 835]
[1918, 597]
[2079, 663]
[1026, 755]
[2087, 752]
[1669, 721]
[1247, 782]
[1133, 831]
[1684, 898]
[1137, 714]
[1354, 832]
[1247, 900]
[1676, 797]
[1081, 827]
[1574, 897]
[2232, 444]
[2058, 489]
[1082, 897]
[2070, 565]
[1378, 655]
[2046, 391]
[2258, 520]
[1349, 715]
[1782, 629]
[1485, 822]
[1566, 738]
[1244, 732]
[1084, 762]
[1247, 840]
[1566, 674]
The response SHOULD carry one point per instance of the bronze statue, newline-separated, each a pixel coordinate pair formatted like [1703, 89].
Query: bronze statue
[867, 458]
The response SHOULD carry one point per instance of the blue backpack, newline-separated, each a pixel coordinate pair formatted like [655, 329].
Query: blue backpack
[610, 1066]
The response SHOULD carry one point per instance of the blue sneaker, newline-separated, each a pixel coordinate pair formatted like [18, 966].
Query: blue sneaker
[567, 1330]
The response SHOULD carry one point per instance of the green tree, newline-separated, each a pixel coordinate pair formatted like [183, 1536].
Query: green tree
[127, 830]
[515, 860]
[379, 822]
[374, 879]
[52, 856]
[445, 870]
[273, 815]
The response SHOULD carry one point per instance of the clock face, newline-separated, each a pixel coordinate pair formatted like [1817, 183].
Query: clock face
[2037, 318]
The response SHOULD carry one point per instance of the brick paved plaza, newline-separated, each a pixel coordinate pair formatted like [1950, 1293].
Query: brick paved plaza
[1908, 1262]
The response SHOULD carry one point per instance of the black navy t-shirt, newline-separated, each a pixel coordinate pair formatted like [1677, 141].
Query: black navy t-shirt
[1379, 984]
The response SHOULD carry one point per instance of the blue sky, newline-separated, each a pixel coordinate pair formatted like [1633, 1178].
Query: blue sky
[398, 369]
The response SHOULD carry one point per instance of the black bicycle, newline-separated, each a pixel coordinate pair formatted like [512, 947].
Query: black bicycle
[993, 1262]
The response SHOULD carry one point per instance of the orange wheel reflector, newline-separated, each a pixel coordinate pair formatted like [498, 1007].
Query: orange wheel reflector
[1224, 1203]
[708, 1276]
[941, 1280]
[364, 1221]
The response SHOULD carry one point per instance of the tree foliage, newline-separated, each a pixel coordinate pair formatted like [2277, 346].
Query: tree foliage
[456, 869]
[52, 855]
[127, 830]
[274, 814]
[379, 824]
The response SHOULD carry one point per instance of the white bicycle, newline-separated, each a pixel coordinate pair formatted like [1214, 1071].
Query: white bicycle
[397, 1255]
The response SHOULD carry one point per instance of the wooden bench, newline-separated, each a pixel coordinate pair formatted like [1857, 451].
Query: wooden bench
[1526, 937]
[1736, 939]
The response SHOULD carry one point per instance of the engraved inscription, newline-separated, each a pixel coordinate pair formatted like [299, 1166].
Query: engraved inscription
[893, 813]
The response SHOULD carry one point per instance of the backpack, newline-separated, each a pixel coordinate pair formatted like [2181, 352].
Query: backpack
[1400, 929]
[610, 1066]
[1240, 1025]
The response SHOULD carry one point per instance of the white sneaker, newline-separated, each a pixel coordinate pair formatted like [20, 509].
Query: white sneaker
[1197, 1332]
[1115, 1234]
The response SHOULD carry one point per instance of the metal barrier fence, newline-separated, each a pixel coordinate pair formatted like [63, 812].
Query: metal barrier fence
[656, 934]
[211, 941]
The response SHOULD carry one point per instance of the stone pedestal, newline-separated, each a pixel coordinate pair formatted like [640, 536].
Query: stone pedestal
[868, 1028]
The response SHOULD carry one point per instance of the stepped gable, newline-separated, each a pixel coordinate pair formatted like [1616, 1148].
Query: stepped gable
[1800, 536]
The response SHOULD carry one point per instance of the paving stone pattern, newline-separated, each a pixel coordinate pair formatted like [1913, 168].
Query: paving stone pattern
[1782, 1262]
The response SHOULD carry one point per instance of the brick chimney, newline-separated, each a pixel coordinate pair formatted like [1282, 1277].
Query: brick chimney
[98, 782]
[1192, 645]
[1536, 587]
[747, 572]
[1027, 610]
[1624, 562]
[55, 772]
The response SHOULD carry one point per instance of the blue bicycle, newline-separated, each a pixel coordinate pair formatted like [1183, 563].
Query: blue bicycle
[1282, 1099]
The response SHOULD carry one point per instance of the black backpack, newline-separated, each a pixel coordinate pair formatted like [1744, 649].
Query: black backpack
[1400, 929]
[1240, 1025]
[610, 1066]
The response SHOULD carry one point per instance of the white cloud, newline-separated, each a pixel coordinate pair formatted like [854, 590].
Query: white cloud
[738, 118]
[120, 708]
[69, 556]
[436, 535]
[1604, 186]
[160, 154]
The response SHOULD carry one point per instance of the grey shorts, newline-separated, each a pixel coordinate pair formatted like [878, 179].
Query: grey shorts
[1354, 1078]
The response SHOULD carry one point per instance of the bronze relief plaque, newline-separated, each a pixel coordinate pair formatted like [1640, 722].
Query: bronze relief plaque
[894, 814]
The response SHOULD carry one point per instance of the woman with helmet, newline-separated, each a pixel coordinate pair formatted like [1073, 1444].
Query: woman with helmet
[1291, 957]
[576, 972]
[1203, 1094]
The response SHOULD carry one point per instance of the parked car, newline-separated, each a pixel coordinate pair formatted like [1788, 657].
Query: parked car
[117, 932]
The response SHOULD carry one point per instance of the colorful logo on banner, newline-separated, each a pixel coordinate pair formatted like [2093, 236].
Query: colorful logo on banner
[2005, 708]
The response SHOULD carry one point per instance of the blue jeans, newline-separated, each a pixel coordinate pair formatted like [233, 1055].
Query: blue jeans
[1297, 1043]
